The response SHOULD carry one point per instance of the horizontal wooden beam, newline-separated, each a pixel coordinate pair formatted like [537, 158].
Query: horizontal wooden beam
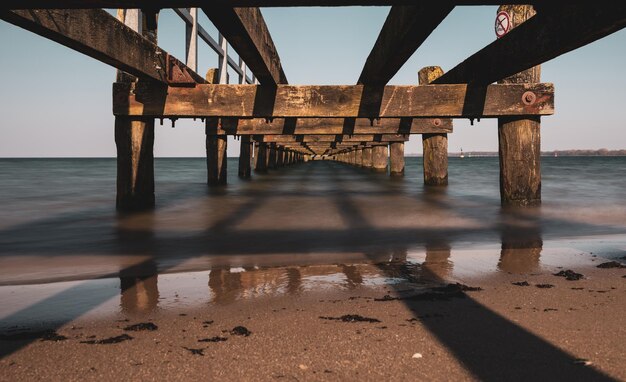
[405, 29]
[553, 31]
[333, 138]
[247, 33]
[334, 126]
[51, 4]
[95, 33]
[284, 101]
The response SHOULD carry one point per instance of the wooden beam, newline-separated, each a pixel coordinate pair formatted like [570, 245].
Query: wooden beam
[555, 30]
[334, 126]
[251, 101]
[97, 34]
[247, 33]
[332, 138]
[51, 4]
[405, 29]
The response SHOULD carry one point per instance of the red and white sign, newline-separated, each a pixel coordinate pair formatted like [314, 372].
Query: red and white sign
[503, 24]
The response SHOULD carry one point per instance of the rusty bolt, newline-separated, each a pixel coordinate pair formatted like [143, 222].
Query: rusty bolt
[437, 122]
[529, 98]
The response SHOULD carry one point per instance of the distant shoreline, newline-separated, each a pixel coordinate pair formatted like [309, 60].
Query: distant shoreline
[476, 154]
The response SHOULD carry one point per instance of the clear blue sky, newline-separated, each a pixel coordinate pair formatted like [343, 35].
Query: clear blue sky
[56, 102]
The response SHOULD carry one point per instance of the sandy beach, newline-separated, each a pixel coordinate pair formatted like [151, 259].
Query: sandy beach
[386, 321]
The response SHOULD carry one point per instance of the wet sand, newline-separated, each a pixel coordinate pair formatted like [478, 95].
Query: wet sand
[292, 259]
[390, 321]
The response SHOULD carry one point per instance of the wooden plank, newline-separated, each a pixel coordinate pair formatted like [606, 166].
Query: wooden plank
[247, 33]
[97, 34]
[553, 31]
[332, 138]
[334, 126]
[405, 29]
[51, 4]
[252, 101]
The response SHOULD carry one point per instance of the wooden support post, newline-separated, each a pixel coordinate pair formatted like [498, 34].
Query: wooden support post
[216, 159]
[519, 138]
[396, 158]
[261, 157]
[367, 157]
[379, 158]
[134, 139]
[359, 157]
[435, 146]
[135, 163]
[244, 157]
[280, 157]
[272, 156]
[216, 145]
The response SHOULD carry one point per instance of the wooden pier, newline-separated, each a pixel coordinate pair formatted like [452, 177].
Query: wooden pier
[278, 124]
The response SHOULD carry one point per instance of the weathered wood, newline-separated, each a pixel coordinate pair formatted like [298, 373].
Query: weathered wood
[272, 156]
[367, 157]
[25, 4]
[396, 158]
[332, 138]
[261, 157]
[519, 139]
[379, 158]
[252, 101]
[97, 34]
[216, 145]
[247, 33]
[359, 157]
[244, 157]
[435, 150]
[405, 29]
[435, 146]
[555, 30]
[134, 140]
[335, 126]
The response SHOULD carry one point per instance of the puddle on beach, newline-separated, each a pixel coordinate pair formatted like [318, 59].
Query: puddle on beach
[141, 290]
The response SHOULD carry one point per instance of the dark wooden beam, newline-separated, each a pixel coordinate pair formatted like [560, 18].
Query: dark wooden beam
[84, 4]
[95, 33]
[334, 126]
[333, 138]
[405, 29]
[247, 33]
[555, 30]
[251, 101]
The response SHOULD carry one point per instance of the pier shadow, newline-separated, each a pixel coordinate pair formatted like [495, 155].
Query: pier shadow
[489, 345]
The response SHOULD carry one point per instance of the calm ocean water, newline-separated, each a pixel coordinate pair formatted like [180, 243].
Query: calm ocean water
[58, 218]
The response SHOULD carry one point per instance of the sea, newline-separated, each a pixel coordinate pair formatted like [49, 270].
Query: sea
[62, 243]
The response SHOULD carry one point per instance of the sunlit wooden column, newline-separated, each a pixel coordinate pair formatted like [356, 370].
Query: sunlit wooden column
[519, 138]
[359, 157]
[379, 158]
[367, 157]
[396, 158]
[435, 146]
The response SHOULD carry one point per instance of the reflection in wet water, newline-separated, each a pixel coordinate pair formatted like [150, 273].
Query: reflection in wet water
[521, 240]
